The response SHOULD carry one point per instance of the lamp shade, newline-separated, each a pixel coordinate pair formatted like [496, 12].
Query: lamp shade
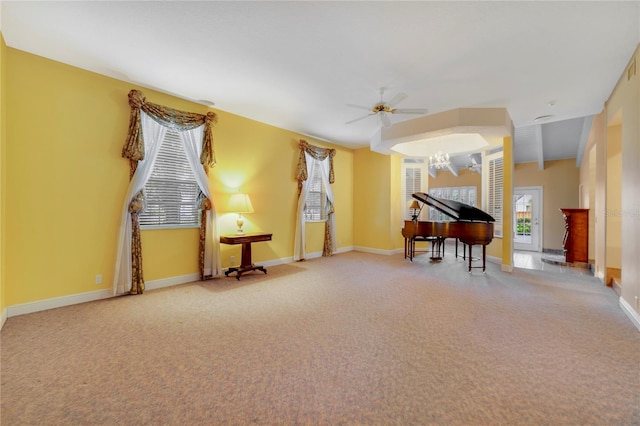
[240, 203]
[414, 205]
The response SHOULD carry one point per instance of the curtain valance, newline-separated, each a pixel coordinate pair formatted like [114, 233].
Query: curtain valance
[316, 153]
[180, 120]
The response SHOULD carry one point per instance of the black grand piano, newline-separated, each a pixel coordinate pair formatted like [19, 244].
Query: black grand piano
[472, 227]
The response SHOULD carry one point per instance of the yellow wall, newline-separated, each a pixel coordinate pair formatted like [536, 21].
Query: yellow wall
[506, 246]
[397, 212]
[593, 176]
[626, 98]
[614, 197]
[372, 212]
[260, 160]
[560, 180]
[3, 181]
[587, 197]
[65, 182]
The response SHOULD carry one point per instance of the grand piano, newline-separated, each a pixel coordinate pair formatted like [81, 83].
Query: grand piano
[471, 226]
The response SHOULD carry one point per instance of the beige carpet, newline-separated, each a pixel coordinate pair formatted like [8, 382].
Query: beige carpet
[352, 339]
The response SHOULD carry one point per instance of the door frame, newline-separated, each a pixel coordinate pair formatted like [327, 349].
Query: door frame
[538, 227]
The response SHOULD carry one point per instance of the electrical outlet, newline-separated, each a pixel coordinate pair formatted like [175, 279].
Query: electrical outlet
[232, 259]
[98, 279]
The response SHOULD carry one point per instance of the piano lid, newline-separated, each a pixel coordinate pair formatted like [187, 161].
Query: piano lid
[454, 209]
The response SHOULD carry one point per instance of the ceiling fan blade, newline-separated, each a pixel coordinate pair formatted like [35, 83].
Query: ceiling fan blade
[385, 119]
[397, 99]
[359, 107]
[358, 119]
[410, 111]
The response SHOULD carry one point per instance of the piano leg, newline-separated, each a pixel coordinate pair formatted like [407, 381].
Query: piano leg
[406, 245]
[484, 258]
[409, 248]
[412, 248]
[436, 248]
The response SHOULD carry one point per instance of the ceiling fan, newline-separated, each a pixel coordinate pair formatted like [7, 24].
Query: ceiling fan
[382, 109]
[475, 162]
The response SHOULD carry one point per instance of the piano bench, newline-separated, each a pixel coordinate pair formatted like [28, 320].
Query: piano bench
[436, 246]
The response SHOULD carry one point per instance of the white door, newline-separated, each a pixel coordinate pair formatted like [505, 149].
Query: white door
[527, 218]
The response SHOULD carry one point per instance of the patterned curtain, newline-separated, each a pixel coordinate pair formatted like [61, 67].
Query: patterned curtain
[319, 154]
[134, 150]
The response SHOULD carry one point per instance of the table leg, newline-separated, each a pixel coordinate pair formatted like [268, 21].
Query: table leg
[246, 265]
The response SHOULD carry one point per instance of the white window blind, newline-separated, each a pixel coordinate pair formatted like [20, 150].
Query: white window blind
[315, 206]
[464, 194]
[413, 174]
[171, 192]
[494, 196]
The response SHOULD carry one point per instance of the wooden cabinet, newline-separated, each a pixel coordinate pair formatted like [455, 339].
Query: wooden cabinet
[576, 235]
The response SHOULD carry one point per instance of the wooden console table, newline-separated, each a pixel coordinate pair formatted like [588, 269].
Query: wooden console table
[246, 265]
[576, 235]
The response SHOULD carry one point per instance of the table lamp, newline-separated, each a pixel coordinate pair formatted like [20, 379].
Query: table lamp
[240, 203]
[415, 209]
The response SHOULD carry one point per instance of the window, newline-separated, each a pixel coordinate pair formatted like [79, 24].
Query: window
[171, 192]
[493, 190]
[316, 202]
[464, 194]
[523, 206]
[413, 180]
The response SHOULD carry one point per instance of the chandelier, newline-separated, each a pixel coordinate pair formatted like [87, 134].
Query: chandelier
[439, 160]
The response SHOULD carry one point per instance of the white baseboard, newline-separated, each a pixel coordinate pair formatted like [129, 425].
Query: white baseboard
[377, 251]
[344, 249]
[312, 255]
[74, 299]
[630, 312]
[494, 259]
[171, 281]
[57, 302]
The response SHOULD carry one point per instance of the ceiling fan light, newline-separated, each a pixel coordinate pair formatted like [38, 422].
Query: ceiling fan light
[385, 119]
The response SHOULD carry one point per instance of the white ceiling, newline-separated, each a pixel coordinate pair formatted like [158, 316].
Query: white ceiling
[297, 64]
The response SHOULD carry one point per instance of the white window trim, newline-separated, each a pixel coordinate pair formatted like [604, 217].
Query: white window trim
[487, 193]
[405, 197]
